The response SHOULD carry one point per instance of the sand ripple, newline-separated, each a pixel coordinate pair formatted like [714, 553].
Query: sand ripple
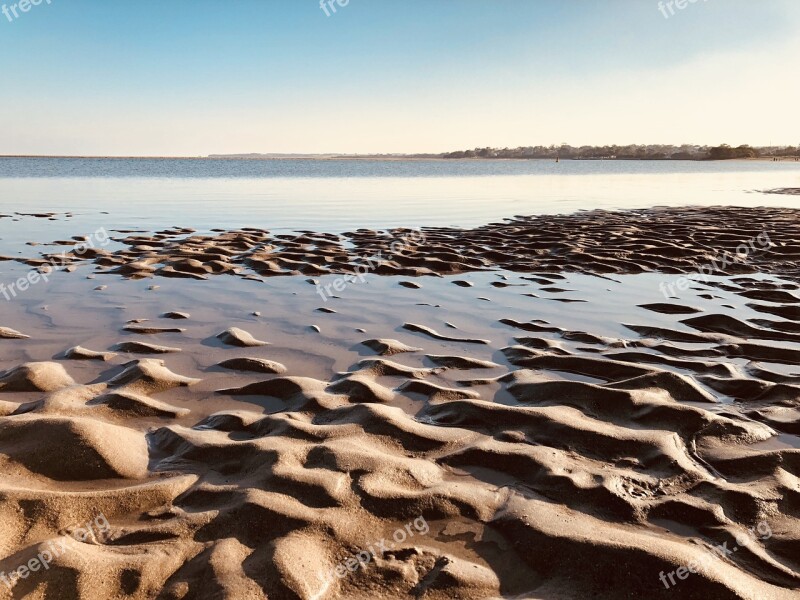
[560, 463]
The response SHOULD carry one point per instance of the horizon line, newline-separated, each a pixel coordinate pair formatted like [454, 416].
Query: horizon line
[331, 155]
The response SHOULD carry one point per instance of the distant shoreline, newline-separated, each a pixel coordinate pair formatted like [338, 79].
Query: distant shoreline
[327, 157]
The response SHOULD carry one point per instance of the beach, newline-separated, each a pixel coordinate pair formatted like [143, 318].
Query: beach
[429, 300]
[594, 404]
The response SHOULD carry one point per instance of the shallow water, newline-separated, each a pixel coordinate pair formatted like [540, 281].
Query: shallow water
[69, 304]
[348, 194]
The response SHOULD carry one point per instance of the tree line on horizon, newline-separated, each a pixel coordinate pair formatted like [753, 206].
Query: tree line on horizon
[630, 152]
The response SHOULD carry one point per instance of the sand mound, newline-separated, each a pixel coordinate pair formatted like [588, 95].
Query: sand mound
[238, 337]
[379, 367]
[138, 405]
[435, 392]
[670, 309]
[144, 348]
[73, 449]
[284, 388]
[386, 347]
[148, 376]
[80, 353]
[460, 362]
[255, 365]
[361, 389]
[438, 336]
[12, 334]
[35, 377]
[152, 330]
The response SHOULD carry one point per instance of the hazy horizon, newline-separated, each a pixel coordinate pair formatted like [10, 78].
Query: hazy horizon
[300, 155]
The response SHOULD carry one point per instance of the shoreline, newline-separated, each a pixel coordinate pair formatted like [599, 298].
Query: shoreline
[543, 243]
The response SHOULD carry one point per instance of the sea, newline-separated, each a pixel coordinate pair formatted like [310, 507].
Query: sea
[346, 194]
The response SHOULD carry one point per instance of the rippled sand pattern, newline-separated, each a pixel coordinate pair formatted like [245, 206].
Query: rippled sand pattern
[238, 452]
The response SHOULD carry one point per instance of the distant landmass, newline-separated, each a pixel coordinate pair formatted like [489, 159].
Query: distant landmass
[562, 152]
[565, 151]
[632, 152]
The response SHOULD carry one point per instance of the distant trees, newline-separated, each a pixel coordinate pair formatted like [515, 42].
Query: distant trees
[787, 151]
[724, 152]
[629, 152]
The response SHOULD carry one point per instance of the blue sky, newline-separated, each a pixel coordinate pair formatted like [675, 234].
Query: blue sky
[182, 77]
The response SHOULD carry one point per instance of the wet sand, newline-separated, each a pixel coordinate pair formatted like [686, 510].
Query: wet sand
[538, 406]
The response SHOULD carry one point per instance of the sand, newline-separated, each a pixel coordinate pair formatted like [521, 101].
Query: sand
[533, 418]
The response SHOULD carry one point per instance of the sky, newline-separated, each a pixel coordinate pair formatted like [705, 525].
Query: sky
[199, 77]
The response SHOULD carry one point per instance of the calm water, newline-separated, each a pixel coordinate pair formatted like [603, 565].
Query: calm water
[336, 195]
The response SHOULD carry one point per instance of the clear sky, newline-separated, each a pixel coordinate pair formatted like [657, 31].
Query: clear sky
[195, 77]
